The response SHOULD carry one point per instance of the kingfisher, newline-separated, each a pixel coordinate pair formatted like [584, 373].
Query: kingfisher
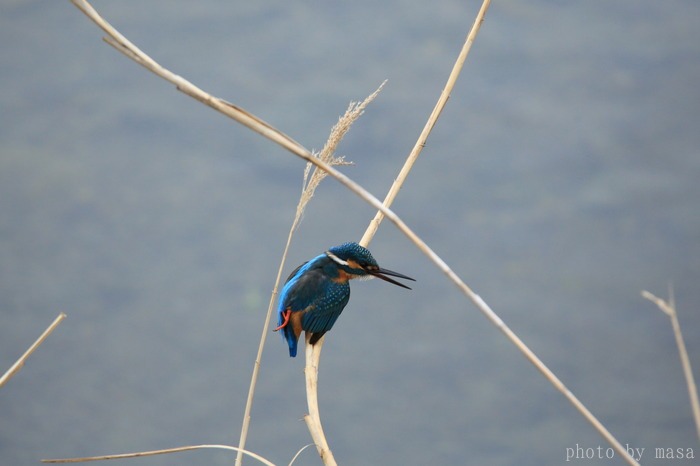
[318, 290]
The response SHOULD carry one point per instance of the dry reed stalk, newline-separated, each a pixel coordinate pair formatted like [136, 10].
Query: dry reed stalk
[310, 182]
[313, 419]
[423, 137]
[15, 368]
[251, 121]
[669, 308]
[156, 452]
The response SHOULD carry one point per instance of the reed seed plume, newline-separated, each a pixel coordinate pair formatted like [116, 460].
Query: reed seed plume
[313, 178]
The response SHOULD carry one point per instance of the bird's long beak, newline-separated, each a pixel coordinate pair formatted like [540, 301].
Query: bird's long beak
[382, 273]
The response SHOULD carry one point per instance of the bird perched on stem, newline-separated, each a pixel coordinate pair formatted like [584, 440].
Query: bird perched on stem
[317, 291]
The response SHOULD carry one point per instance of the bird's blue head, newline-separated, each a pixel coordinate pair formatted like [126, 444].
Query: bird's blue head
[357, 261]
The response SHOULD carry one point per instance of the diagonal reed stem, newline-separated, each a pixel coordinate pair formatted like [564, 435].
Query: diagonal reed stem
[15, 368]
[422, 139]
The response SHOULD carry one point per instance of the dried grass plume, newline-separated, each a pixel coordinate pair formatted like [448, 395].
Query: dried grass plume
[313, 178]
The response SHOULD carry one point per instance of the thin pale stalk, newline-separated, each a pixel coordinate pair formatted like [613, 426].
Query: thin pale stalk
[15, 368]
[688, 371]
[299, 453]
[261, 346]
[669, 308]
[276, 136]
[437, 110]
[157, 452]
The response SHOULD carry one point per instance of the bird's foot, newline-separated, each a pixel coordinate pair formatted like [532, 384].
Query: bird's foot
[286, 314]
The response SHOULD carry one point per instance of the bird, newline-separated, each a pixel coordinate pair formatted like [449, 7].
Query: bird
[318, 290]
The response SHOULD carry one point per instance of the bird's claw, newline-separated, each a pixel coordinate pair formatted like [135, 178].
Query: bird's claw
[286, 314]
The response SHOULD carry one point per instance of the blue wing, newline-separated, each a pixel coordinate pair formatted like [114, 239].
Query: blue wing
[326, 308]
[320, 300]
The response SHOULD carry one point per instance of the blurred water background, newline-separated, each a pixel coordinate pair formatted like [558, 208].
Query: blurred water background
[562, 179]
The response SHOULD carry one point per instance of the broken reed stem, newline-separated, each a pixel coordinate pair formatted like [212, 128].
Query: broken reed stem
[15, 368]
[313, 419]
[437, 110]
[261, 127]
[669, 308]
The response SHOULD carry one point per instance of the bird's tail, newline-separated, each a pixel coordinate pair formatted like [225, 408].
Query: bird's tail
[292, 347]
[288, 335]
